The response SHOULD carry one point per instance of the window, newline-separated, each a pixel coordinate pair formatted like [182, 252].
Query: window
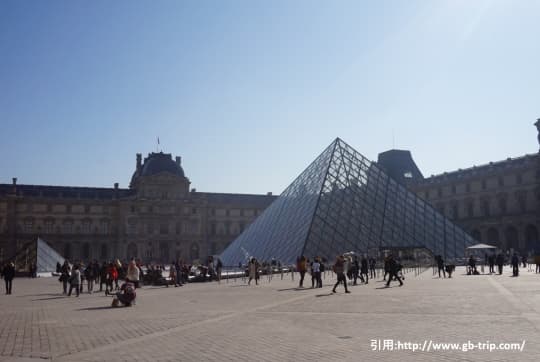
[485, 208]
[468, 187]
[86, 226]
[439, 192]
[502, 205]
[163, 229]
[104, 226]
[49, 226]
[501, 181]
[68, 226]
[28, 225]
[470, 209]
[453, 189]
[150, 228]
[87, 208]
[484, 184]
[519, 179]
[132, 209]
[213, 229]
[455, 211]
[194, 210]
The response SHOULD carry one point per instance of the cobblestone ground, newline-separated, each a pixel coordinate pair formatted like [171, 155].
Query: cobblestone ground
[275, 321]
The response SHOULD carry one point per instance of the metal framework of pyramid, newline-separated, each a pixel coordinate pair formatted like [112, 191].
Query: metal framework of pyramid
[343, 202]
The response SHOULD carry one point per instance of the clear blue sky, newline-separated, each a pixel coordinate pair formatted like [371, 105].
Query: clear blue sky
[250, 92]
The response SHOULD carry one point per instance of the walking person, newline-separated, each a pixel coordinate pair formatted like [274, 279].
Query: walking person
[75, 280]
[372, 264]
[253, 271]
[65, 273]
[364, 269]
[339, 269]
[219, 268]
[515, 265]
[8, 273]
[440, 265]
[500, 262]
[302, 268]
[392, 271]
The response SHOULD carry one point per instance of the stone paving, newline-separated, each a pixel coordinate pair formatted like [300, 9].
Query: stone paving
[275, 321]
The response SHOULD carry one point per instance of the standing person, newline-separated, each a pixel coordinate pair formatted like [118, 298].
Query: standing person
[89, 276]
[392, 271]
[219, 268]
[364, 269]
[524, 260]
[302, 268]
[253, 271]
[440, 265]
[64, 275]
[132, 274]
[8, 273]
[103, 276]
[515, 265]
[316, 273]
[178, 266]
[500, 262]
[491, 262]
[372, 264]
[75, 280]
[354, 270]
[339, 269]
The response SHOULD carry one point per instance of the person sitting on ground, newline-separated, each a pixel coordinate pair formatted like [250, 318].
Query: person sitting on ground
[126, 296]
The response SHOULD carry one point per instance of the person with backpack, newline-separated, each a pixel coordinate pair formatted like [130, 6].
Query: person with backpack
[393, 269]
[339, 269]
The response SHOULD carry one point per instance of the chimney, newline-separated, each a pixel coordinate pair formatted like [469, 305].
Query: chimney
[193, 190]
[179, 160]
[269, 194]
[116, 190]
[139, 161]
[14, 185]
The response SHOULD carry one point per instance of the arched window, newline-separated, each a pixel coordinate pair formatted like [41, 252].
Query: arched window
[131, 251]
[531, 238]
[85, 252]
[67, 250]
[511, 236]
[485, 208]
[104, 254]
[164, 251]
[194, 251]
[493, 237]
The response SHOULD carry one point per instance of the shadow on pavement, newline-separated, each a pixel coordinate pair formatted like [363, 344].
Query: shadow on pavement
[51, 298]
[97, 308]
[324, 295]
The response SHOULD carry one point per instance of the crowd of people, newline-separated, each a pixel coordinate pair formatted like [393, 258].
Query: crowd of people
[120, 279]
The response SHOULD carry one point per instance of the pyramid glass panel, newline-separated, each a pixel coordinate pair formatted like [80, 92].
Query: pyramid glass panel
[343, 202]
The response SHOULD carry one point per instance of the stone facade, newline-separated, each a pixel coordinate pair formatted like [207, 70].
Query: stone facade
[158, 219]
[497, 203]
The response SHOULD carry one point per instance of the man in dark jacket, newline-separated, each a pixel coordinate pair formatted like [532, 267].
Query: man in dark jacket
[8, 272]
[515, 265]
[393, 271]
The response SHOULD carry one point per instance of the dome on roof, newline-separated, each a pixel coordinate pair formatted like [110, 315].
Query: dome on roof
[161, 162]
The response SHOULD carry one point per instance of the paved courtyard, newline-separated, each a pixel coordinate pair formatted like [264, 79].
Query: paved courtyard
[274, 321]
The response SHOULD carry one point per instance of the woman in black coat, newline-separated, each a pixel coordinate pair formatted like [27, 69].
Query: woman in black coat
[8, 272]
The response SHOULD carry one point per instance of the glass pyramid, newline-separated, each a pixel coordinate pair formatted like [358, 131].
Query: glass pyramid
[343, 202]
